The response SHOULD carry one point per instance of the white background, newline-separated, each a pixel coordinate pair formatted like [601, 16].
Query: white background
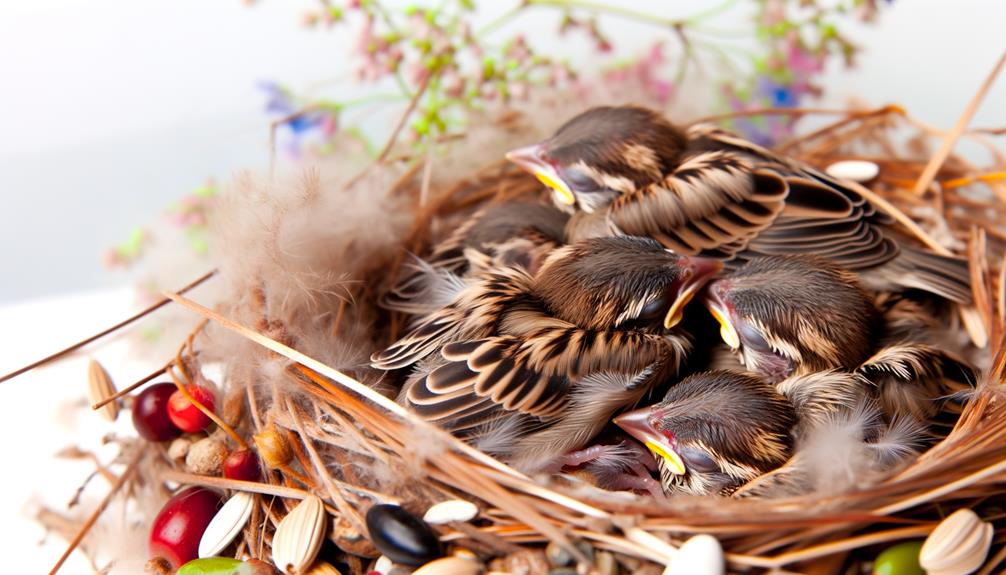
[110, 110]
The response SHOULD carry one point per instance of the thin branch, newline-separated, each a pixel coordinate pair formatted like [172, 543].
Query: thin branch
[86, 527]
[66, 351]
[933, 167]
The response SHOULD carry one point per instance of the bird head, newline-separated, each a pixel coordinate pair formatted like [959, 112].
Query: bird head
[601, 154]
[621, 283]
[793, 314]
[715, 431]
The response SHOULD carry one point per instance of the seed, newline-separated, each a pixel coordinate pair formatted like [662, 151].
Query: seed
[273, 447]
[958, 545]
[100, 388]
[299, 536]
[700, 555]
[402, 536]
[206, 456]
[452, 510]
[226, 524]
[450, 566]
[900, 559]
[323, 568]
[855, 170]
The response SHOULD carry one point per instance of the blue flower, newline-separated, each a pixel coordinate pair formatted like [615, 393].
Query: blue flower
[779, 95]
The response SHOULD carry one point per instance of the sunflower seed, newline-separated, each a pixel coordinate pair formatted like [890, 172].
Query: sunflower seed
[958, 545]
[299, 536]
[226, 524]
[100, 388]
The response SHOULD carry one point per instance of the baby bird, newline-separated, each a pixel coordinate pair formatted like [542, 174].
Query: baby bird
[511, 233]
[531, 367]
[735, 434]
[704, 191]
[794, 314]
[801, 314]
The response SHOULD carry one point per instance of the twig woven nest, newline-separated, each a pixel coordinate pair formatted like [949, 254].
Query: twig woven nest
[287, 343]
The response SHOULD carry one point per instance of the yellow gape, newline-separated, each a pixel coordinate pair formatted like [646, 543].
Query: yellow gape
[674, 463]
[727, 331]
[562, 193]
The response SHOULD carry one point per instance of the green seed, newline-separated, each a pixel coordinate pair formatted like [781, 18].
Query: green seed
[215, 566]
[901, 559]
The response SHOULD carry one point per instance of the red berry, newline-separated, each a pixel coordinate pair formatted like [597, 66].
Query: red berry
[186, 416]
[179, 526]
[243, 465]
[150, 413]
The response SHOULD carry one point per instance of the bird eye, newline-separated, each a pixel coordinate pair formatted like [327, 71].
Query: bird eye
[578, 179]
[752, 338]
[654, 310]
[697, 460]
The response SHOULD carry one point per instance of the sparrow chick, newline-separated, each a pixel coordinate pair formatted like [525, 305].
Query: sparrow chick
[511, 233]
[705, 191]
[715, 431]
[801, 314]
[531, 366]
[794, 314]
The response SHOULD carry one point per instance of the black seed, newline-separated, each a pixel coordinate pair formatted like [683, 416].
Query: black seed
[403, 537]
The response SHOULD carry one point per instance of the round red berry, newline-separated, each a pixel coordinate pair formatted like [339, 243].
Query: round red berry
[150, 413]
[180, 524]
[243, 465]
[187, 416]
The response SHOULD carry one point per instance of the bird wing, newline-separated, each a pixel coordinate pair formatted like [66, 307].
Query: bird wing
[821, 215]
[475, 312]
[535, 374]
[713, 204]
[917, 379]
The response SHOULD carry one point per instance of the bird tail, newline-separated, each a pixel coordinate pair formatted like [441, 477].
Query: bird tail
[945, 276]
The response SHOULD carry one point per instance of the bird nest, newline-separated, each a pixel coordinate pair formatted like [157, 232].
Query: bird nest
[350, 444]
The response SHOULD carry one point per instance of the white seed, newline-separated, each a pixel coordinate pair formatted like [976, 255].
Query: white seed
[100, 388]
[450, 566]
[299, 536]
[448, 511]
[855, 170]
[959, 544]
[226, 524]
[652, 542]
[700, 555]
[383, 565]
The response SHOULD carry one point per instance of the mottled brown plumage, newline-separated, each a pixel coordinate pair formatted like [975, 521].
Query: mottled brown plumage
[529, 367]
[705, 191]
[715, 431]
[798, 315]
[794, 314]
[506, 234]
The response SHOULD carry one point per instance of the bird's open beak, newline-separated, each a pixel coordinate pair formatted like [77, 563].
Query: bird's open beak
[637, 424]
[529, 158]
[718, 308]
[697, 272]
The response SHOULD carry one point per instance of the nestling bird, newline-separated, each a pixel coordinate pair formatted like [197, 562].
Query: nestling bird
[716, 432]
[510, 233]
[802, 314]
[530, 367]
[704, 191]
